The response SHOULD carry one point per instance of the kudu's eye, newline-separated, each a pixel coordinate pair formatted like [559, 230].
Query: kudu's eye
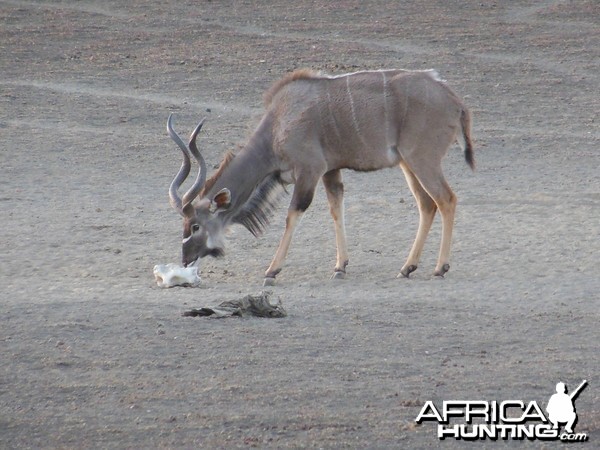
[195, 227]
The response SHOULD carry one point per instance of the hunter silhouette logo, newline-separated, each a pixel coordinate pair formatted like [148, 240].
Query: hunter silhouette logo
[561, 408]
[509, 419]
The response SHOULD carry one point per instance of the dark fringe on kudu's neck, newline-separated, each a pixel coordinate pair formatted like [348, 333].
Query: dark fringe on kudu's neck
[256, 213]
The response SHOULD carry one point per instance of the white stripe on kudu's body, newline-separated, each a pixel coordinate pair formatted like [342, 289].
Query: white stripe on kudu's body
[314, 126]
[354, 119]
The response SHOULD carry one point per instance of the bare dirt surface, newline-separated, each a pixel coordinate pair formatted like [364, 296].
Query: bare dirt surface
[94, 355]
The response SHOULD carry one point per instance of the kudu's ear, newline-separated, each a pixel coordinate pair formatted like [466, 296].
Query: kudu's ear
[221, 201]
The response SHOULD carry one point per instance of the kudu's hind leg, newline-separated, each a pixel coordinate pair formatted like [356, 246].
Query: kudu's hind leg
[304, 192]
[432, 180]
[447, 206]
[427, 210]
[335, 195]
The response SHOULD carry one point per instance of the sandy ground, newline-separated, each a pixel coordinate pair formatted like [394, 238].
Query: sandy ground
[94, 355]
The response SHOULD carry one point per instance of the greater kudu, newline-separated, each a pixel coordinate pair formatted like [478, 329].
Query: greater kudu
[314, 126]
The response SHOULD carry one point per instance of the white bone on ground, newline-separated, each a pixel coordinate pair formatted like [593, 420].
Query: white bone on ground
[169, 275]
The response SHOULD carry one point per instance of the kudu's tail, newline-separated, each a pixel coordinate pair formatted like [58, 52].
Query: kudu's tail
[465, 138]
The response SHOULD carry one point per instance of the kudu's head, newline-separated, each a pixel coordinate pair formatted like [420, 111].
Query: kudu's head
[203, 226]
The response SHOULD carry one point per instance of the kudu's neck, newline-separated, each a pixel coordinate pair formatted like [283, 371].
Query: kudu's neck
[248, 169]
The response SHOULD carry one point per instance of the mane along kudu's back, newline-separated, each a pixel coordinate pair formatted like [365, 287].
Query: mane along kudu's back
[302, 74]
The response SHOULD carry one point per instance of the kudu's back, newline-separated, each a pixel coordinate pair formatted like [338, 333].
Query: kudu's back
[366, 120]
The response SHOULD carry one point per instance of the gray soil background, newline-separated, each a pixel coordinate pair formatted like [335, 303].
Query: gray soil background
[94, 355]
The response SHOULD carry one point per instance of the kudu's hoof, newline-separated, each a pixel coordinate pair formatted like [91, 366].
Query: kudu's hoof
[269, 281]
[406, 271]
[441, 272]
[338, 275]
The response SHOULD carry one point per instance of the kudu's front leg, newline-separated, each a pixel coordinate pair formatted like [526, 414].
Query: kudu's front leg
[335, 195]
[304, 192]
[291, 221]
